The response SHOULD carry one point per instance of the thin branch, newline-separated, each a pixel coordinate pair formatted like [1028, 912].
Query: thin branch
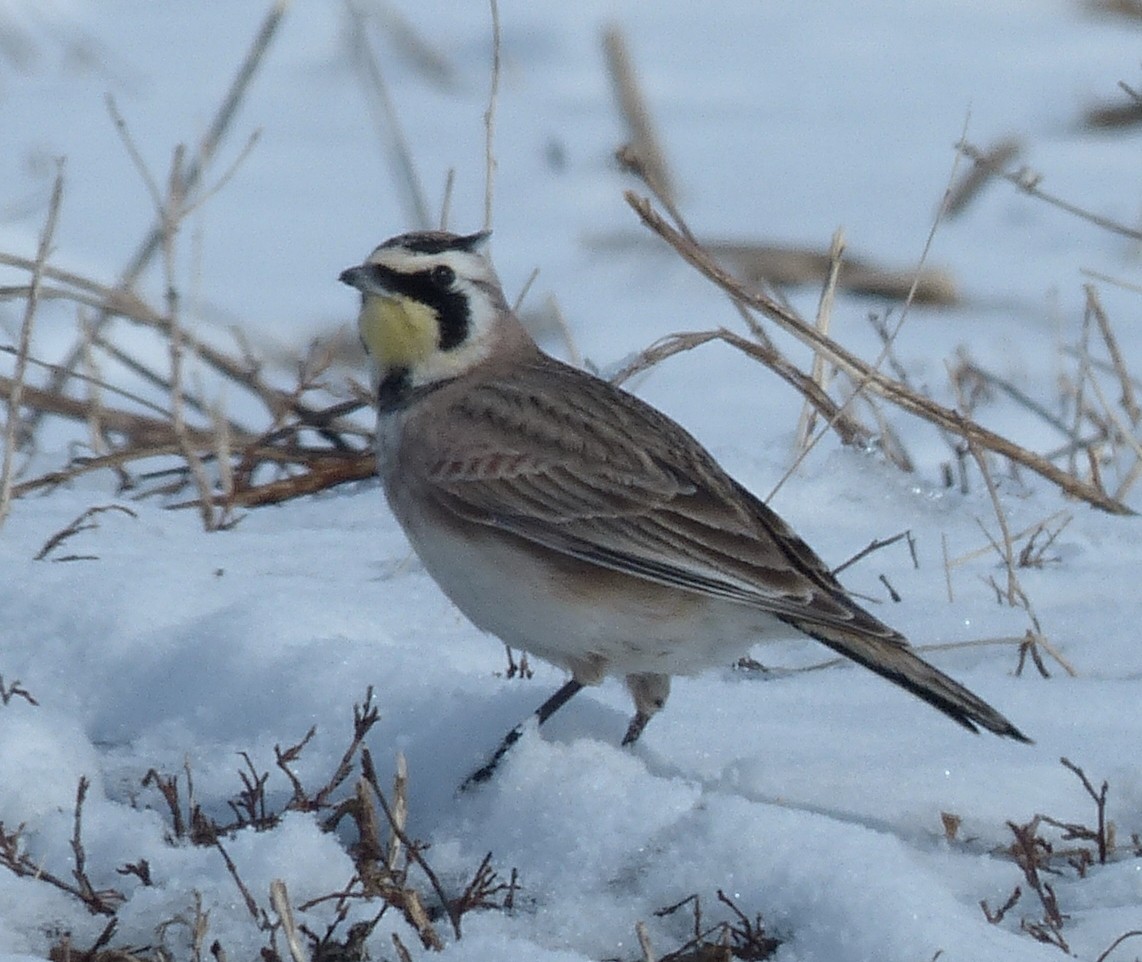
[819, 372]
[279, 901]
[644, 151]
[877, 382]
[15, 396]
[386, 120]
[1028, 182]
[994, 159]
[1132, 934]
[859, 384]
[490, 119]
[195, 168]
[414, 853]
[848, 429]
[868, 549]
[1129, 400]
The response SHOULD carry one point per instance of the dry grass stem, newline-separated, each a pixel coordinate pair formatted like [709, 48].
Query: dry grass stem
[1105, 954]
[196, 167]
[947, 568]
[523, 291]
[1118, 282]
[1059, 519]
[82, 523]
[1129, 400]
[400, 812]
[872, 380]
[446, 201]
[14, 857]
[382, 878]
[1129, 479]
[1028, 181]
[16, 395]
[1123, 433]
[15, 690]
[386, 120]
[644, 145]
[848, 429]
[564, 329]
[279, 901]
[150, 434]
[870, 548]
[785, 266]
[819, 372]
[172, 209]
[965, 369]
[993, 159]
[431, 62]
[1001, 641]
[644, 942]
[1004, 548]
[490, 120]
[320, 474]
[1113, 116]
[1014, 594]
[428, 935]
[402, 951]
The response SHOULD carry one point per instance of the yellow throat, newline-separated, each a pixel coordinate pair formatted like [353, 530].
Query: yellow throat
[397, 331]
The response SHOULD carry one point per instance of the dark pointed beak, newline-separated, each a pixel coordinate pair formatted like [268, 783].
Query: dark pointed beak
[353, 276]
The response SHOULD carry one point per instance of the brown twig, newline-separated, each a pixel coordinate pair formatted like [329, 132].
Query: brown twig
[819, 372]
[1100, 835]
[81, 523]
[490, 120]
[195, 168]
[320, 473]
[991, 160]
[1029, 852]
[632, 105]
[1129, 399]
[414, 853]
[1132, 934]
[257, 914]
[868, 549]
[15, 690]
[849, 430]
[872, 380]
[1028, 181]
[16, 394]
[386, 119]
[279, 901]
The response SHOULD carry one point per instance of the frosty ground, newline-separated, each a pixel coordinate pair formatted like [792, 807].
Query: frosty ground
[813, 798]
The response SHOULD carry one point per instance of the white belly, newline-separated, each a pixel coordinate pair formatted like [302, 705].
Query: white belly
[589, 620]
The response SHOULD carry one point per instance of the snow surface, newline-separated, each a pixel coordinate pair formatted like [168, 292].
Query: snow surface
[813, 798]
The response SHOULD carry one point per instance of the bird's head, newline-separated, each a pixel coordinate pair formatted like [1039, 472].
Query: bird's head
[431, 305]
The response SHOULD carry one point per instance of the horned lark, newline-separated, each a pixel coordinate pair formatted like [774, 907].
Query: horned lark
[572, 519]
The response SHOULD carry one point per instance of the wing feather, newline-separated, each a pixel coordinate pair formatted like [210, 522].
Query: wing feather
[572, 463]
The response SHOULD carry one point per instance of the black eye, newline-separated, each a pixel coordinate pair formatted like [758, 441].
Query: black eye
[442, 276]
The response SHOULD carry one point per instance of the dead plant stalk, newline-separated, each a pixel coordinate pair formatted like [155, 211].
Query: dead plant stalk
[866, 375]
[195, 169]
[16, 394]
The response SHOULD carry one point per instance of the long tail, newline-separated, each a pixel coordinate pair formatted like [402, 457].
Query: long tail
[900, 664]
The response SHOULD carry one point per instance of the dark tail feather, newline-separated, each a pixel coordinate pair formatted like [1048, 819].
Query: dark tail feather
[900, 664]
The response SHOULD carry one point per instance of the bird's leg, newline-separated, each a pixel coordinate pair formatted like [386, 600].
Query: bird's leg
[542, 713]
[649, 692]
[634, 729]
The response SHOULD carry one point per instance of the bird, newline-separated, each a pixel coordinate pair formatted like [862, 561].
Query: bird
[574, 520]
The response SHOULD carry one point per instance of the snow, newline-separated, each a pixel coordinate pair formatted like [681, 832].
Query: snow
[813, 798]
